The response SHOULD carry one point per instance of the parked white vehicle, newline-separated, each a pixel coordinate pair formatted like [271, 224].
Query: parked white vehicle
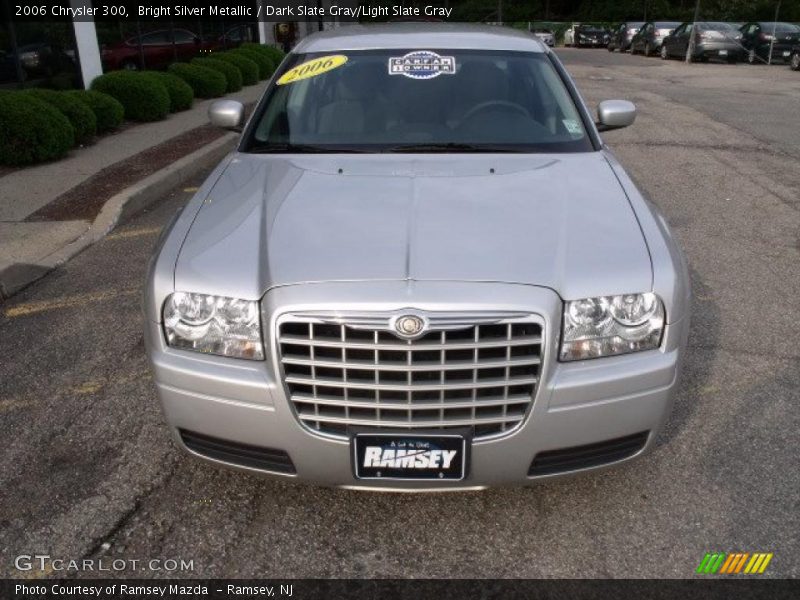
[569, 35]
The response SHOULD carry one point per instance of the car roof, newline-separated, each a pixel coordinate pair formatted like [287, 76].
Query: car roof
[423, 36]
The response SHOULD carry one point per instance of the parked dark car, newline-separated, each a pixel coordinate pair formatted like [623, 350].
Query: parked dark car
[590, 36]
[759, 38]
[236, 36]
[649, 38]
[622, 35]
[37, 60]
[158, 49]
[712, 40]
[794, 60]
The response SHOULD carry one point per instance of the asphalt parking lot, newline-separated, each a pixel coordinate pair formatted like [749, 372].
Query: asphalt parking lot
[89, 469]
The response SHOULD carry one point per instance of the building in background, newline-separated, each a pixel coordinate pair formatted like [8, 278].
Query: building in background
[64, 54]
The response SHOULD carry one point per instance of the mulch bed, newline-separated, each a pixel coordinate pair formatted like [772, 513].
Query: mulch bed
[85, 201]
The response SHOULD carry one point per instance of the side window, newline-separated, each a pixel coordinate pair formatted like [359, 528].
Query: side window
[679, 30]
[689, 28]
[156, 38]
[183, 37]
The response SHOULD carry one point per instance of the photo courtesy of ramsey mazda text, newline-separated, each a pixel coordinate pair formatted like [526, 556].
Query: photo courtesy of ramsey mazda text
[420, 270]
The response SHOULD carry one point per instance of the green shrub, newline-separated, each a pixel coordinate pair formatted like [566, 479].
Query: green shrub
[64, 81]
[233, 76]
[80, 116]
[205, 82]
[247, 67]
[265, 66]
[144, 98]
[180, 93]
[274, 54]
[32, 130]
[107, 110]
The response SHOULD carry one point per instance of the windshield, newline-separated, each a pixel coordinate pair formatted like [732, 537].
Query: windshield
[413, 100]
[590, 29]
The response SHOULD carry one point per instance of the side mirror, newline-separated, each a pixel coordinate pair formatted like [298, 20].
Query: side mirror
[615, 114]
[227, 114]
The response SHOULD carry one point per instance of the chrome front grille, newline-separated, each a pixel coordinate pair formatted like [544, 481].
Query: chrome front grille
[477, 371]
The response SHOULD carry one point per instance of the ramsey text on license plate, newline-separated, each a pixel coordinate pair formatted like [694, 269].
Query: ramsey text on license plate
[409, 456]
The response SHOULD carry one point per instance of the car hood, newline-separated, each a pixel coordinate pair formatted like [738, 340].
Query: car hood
[560, 221]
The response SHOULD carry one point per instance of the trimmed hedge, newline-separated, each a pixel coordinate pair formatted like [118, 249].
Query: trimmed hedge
[80, 116]
[32, 130]
[276, 55]
[205, 82]
[107, 110]
[233, 76]
[265, 66]
[144, 98]
[247, 67]
[180, 93]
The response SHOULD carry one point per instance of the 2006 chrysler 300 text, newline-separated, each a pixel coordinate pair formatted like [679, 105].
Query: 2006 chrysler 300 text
[420, 270]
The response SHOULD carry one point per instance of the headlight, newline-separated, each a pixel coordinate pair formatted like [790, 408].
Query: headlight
[609, 325]
[214, 325]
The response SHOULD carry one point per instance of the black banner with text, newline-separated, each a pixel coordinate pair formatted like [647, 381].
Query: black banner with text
[389, 589]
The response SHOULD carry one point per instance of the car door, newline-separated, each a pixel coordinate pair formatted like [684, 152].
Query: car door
[637, 41]
[187, 44]
[672, 41]
[748, 35]
[643, 36]
[157, 49]
[648, 36]
[682, 41]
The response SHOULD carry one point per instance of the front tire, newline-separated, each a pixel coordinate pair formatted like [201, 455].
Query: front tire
[752, 58]
[664, 53]
[647, 49]
[794, 62]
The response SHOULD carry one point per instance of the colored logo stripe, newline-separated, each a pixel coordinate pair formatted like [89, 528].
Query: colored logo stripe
[734, 563]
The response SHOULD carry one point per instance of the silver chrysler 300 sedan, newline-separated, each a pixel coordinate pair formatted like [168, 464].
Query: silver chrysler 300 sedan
[421, 269]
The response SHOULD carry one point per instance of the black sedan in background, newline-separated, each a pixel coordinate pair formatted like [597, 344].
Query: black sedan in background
[649, 38]
[622, 35]
[590, 36]
[712, 40]
[761, 38]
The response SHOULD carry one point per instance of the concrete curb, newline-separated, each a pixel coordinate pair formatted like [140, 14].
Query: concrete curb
[117, 210]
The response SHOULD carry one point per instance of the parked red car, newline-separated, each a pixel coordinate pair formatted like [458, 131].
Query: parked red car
[158, 50]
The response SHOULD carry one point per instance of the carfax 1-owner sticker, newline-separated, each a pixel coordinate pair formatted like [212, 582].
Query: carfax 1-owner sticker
[422, 64]
[312, 68]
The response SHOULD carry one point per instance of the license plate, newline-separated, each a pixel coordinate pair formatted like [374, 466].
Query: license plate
[410, 456]
[723, 53]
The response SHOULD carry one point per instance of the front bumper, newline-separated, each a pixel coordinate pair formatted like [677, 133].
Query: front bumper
[575, 404]
[781, 51]
[591, 43]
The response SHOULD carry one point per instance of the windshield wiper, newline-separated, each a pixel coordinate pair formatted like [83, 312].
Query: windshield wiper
[448, 147]
[286, 148]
